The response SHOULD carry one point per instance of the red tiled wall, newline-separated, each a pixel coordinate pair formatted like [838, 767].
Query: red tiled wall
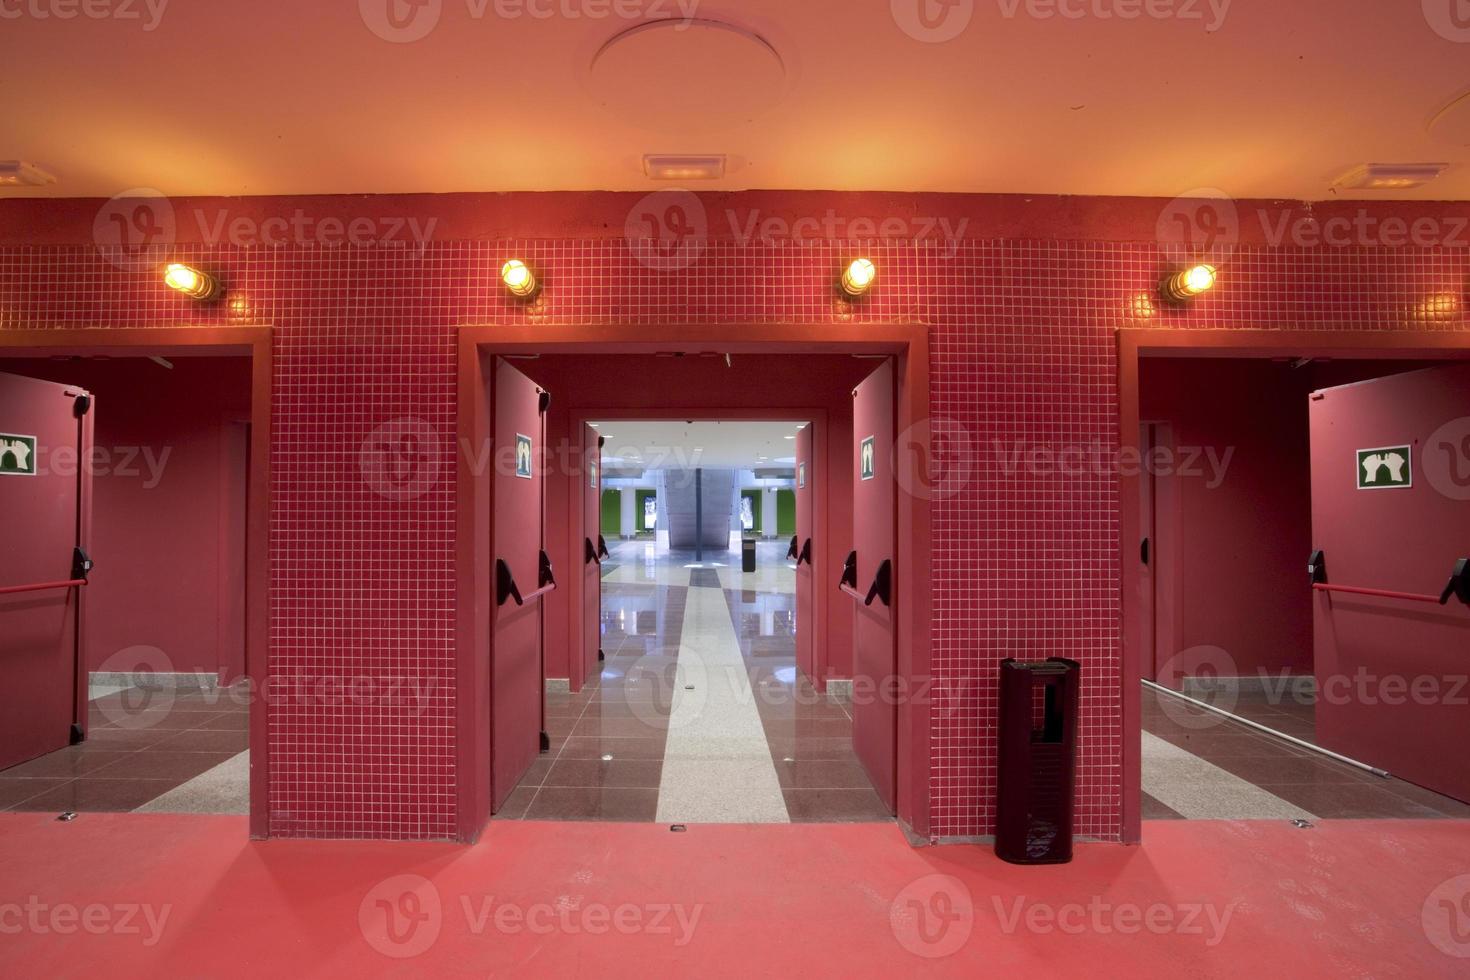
[1026, 564]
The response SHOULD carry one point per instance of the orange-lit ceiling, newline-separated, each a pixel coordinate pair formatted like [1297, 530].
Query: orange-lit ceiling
[1255, 98]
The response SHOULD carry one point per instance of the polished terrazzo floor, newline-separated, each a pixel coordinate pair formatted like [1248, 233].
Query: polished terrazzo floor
[1198, 765]
[699, 715]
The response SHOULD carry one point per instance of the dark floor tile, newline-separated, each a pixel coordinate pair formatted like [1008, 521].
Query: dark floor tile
[205, 740]
[75, 760]
[19, 789]
[514, 807]
[835, 806]
[822, 774]
[616, 772]
[1297, 770]
[650, 723]
[1154, 810]
[90, 794]
[1443, 805]
[588, 803]
[1361, 801]
[619, 748]
[126, 739]
[784, 746]
[800, 727]
[226, 722]
[159, 764]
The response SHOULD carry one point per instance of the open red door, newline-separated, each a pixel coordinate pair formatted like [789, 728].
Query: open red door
[1391, 517]
[594, 549]
[522, 576]
[868, 578]
[43, 499]
[802, 552]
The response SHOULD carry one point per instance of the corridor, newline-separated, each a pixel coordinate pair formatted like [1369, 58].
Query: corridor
[699, 715]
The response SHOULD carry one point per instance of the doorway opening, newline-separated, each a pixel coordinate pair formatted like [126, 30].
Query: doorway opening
[134, 600]
[681, 687]
[1271, 681]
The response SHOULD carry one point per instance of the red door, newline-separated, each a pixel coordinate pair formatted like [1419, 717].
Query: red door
[868, 580]
[1391, 511]
[43, 498]
[802, 551]
[522, 576]
[594, 549]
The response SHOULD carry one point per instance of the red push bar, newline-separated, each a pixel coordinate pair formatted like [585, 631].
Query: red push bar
[1382, 593]
[41, 586]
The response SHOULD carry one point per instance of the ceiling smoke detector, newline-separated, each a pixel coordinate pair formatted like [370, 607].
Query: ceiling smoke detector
[665, 166]
[18, 173]
[1391, 176]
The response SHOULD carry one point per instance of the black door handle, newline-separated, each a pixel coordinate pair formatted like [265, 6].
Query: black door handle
[543, 574]
[1459, 584]
[589, 553]
[882, 587]
[791, 551]
[1143, 551]
[806, 553]
[602, 547]
[505, 584]
[849, 572]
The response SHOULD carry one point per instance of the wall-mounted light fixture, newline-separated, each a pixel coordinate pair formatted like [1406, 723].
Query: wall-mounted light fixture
[518, 279]
[1188, 284]
[191, 282]
[858, 277]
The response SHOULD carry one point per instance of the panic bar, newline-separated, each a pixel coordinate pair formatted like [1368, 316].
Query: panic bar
[1458, 587]
[41, 586]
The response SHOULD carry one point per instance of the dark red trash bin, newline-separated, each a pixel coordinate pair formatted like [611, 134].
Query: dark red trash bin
[1037, 765]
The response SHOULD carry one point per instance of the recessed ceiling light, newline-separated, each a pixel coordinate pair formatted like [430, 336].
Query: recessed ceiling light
[1390, 176]
[16, 173]
[665, 166]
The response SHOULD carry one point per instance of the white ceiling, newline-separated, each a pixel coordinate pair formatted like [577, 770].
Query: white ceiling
[242, 97]
[658, 445]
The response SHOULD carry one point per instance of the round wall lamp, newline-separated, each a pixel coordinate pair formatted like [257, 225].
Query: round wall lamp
[858, 277]
[519, 280]
[1188, 284]
[191, 282]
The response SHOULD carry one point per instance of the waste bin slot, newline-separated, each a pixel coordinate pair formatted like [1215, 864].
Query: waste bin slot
[1037, 766]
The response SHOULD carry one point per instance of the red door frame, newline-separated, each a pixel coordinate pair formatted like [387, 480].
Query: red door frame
[1135, 344]
[252, 342]
[913, 604]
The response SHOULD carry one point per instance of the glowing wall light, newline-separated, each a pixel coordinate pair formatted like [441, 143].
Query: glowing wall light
[858, 277]
[518, 278]
[1189, 283]
[191, 282]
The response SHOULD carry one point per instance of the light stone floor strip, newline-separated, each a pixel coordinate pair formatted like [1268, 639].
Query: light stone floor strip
[223, 789]
[717, 763]
[1200, 790]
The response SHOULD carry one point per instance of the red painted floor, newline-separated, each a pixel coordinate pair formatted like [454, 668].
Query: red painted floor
[133, 895]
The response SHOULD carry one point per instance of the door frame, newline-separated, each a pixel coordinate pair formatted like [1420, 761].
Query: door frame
[1134, 344]
[479, 344]
[252, 342]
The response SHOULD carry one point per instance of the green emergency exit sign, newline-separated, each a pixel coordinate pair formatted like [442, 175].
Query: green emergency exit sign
[1390, 468]
[17, 455]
